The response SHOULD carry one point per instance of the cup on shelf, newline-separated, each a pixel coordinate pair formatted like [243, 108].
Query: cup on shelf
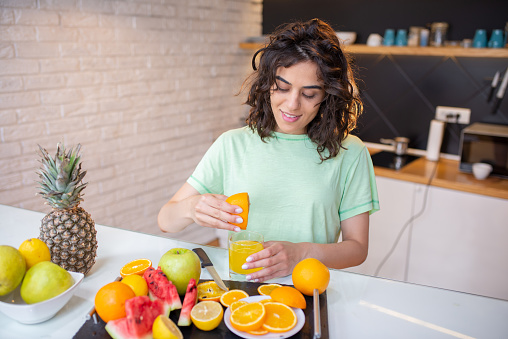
[401, 37]
[374, 39]
[496, 39]
[480, 38]
[389, 37]
[481, 170]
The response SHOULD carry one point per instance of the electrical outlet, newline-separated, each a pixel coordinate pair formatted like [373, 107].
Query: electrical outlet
[453, 114]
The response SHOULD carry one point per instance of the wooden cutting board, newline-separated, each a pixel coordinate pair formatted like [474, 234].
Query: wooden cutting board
[92, 330]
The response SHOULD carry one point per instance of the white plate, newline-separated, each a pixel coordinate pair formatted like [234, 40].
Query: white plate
[299, 315]
[13, 306]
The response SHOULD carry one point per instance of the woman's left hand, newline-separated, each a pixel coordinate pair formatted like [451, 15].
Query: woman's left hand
[278, 259]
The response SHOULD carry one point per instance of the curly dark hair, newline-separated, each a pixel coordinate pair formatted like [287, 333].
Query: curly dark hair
[297, 42]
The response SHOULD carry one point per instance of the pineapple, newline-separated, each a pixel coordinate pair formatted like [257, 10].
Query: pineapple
[68, 230]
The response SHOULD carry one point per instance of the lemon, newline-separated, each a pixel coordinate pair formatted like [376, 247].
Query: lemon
[207, 315]
[137, 283]
[34, 250]
[165, 328]
[12, 269]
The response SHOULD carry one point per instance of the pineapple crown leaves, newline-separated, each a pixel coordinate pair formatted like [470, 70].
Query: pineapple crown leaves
[61, 177]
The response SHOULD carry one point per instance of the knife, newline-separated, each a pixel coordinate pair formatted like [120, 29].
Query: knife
[206, 263]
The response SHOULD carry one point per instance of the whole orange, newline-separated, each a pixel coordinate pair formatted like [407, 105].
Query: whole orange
[110, 300]
[242, 200]
[310, 274]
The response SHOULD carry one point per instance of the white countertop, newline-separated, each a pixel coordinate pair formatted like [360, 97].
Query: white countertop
[358, 306]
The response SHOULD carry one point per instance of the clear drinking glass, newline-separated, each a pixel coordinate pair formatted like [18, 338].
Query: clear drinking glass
[241, 245]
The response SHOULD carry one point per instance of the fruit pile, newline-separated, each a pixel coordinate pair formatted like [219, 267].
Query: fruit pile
[139, 305]
[30, 266]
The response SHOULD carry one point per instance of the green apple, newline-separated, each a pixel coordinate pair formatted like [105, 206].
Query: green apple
[180, 265]
[12, 269]
[44, 281]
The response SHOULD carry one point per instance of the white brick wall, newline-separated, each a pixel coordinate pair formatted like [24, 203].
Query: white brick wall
[145, 86]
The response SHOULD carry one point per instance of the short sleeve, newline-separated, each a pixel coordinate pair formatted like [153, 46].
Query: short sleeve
[208, 177]
[360, 191]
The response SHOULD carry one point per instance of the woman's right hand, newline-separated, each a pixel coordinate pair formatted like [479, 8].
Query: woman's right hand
[212, 210]
[188, 206]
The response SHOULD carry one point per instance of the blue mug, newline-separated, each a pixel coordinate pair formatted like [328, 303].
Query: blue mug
[401, 38]
[496, 39]
[389, 37]
[480, 38]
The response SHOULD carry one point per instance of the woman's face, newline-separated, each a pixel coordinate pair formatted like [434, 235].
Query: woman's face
[297, 99]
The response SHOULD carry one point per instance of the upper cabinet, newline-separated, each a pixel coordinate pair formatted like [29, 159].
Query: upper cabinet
[395, 50]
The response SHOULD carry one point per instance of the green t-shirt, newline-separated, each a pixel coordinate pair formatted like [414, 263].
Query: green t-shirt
[293, 195]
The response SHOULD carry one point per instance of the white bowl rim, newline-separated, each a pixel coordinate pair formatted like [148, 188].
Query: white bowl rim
[78, 278]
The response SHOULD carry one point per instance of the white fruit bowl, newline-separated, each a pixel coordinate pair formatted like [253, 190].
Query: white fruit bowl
[13, 306]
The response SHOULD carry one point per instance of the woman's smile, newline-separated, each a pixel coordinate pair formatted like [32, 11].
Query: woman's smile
[296, 97]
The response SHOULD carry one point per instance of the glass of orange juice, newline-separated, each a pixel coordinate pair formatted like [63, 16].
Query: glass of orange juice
[241, 245]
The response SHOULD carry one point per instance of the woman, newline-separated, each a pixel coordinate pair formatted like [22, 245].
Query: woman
[308, 179]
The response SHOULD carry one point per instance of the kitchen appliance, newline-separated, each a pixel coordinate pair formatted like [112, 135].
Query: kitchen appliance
[392, 160]
[400, 144]
[487, 143]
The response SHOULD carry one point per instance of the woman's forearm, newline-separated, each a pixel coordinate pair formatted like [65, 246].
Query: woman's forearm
[174, 216]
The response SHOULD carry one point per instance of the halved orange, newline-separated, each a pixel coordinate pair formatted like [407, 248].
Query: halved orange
[232, 295]
[266, 289]
[209, 290]
[279, 317]
[241, 200]
[138, 266]
[289, 296]
[235, 304]
[248, 317]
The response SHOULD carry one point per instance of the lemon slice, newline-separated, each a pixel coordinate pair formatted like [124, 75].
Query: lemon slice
[207, 315]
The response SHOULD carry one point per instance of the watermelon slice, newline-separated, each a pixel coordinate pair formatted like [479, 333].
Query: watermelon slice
[191, 297]
[159, 287]
[141, 313]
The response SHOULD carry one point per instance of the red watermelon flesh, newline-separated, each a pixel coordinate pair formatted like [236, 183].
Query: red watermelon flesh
[191, 297]
[140, 313]
[118, 329]
[159, 287]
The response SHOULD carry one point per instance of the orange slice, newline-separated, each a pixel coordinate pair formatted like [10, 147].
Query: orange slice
[235, 304]
[259, 331]
[138, 266]
[289, 296]
[248, 317]
[279, 317]
[241, 200]
[210, 291]
[231, 296]
[266, 289]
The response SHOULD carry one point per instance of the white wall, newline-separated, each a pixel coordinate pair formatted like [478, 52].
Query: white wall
[144, 85]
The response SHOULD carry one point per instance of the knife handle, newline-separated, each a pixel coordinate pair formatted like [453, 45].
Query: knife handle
[205, 261]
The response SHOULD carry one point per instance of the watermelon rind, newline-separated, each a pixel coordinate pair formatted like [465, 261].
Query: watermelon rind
[118, 329]
[191, 297]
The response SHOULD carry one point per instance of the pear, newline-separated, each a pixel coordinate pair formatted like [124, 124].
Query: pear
[44, 281]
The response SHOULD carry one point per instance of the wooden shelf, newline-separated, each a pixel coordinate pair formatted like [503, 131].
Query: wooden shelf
[424, 51]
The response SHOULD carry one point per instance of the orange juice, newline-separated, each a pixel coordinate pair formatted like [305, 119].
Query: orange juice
[238, 253]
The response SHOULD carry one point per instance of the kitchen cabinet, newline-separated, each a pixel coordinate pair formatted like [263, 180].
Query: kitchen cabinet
[458, 242]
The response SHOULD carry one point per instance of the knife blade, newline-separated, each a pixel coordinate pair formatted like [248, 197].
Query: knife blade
[207, 263]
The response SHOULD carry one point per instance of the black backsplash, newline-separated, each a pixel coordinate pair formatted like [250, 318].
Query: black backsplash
[401, 93]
